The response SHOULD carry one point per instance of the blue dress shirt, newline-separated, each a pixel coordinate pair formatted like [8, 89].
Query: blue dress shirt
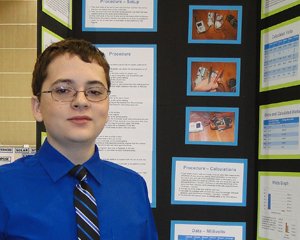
[36, 199]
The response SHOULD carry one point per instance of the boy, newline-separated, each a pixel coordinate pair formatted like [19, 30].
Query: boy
[39, 194]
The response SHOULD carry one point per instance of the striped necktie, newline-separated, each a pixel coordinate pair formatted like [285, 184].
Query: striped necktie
[85, 206]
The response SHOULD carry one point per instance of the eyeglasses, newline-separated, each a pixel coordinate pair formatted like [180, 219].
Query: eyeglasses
[67, 94]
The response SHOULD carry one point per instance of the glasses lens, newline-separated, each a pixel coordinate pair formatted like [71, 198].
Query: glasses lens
[96, 94]
[63, 94]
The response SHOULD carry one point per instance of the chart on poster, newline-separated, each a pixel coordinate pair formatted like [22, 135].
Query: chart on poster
[278, 209]
[188, 237]
[200, 230]
[279, 130]
[270, 7]
[277, 56]
[281, 133]
[280, 55]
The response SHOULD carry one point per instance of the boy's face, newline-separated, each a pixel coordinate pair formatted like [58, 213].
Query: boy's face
[78, 121]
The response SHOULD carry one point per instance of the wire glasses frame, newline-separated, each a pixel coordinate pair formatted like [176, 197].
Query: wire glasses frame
[68, 94]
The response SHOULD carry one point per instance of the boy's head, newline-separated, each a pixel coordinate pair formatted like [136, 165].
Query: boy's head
[81, 48]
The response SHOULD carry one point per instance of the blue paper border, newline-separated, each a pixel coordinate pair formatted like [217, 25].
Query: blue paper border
[178, 222]
[212, 109]
[90, 29]
[193, 159]
[154, 47]
[190, 60]
[214, 7]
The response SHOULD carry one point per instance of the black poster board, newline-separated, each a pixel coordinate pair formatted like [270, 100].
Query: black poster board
[173, 50]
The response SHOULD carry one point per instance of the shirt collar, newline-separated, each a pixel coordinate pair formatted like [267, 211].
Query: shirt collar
[57, 165]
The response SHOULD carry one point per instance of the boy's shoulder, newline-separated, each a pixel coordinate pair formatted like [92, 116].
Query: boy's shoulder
[120, 170]
[17, 165]
[118, 167]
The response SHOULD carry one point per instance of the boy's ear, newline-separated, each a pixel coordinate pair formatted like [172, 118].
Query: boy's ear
[35, 107]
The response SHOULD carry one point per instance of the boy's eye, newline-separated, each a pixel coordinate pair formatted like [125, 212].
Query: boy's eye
[62, 90]
[94, 92]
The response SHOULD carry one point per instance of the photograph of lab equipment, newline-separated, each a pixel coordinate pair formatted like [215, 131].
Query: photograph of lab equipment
[213, 77]
[215, 24]
[215, 126]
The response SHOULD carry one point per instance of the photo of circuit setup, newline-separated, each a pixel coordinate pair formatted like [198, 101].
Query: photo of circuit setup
[215, 126]
[213, 77]
[211, 24]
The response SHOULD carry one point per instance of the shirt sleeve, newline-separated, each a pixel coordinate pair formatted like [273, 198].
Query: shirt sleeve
[3, 218]
[152, 232]
[151, 227]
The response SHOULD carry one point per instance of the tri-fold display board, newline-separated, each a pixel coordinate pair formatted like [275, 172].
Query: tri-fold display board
[188, 78]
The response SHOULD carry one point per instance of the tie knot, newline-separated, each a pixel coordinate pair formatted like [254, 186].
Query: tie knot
[79, 172]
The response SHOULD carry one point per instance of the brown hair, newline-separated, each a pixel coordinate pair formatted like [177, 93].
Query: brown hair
[83, 49]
